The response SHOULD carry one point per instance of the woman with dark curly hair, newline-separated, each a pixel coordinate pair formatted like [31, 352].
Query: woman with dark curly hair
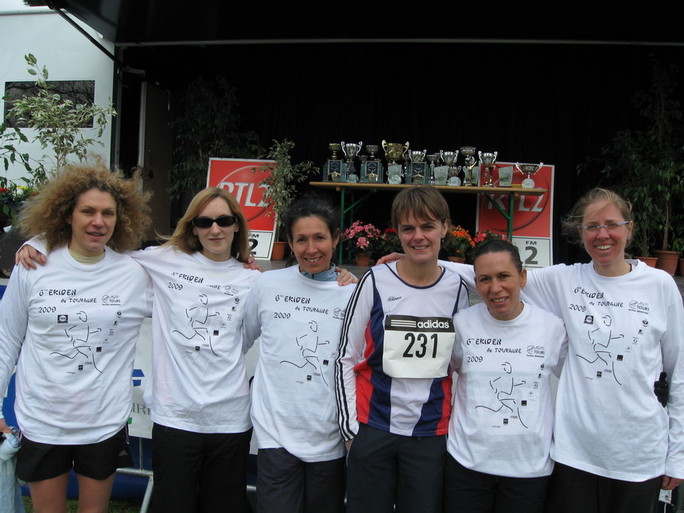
[70, 327]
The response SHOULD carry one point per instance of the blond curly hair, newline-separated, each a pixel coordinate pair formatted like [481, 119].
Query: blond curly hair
[48, 211]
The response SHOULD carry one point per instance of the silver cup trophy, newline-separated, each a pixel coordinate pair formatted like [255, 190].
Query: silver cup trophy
[449, 159]
[528, 170]
[351, 150]
[488, 160]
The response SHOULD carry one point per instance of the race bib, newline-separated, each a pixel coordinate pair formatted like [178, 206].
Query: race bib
[417, 347]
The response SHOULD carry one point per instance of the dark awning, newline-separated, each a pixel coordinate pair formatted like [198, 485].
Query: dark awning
[127, 22]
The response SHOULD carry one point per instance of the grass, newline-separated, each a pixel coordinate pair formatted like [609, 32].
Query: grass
[72, 506]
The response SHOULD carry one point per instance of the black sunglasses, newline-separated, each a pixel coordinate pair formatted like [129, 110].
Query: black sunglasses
[222, 221]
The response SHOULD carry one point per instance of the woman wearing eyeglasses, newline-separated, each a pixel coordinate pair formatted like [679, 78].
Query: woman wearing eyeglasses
[615, 445]
[199, 393]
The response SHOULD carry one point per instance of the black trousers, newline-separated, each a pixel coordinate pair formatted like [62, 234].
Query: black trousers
[286, 484]
[384, 470]
[469, 491]
[198, 472]
[575, 491]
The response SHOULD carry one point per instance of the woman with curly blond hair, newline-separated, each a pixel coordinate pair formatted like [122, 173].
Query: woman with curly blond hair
[70, 327]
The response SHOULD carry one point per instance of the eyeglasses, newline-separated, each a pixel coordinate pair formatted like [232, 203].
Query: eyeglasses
[222, 221]
[594, 228]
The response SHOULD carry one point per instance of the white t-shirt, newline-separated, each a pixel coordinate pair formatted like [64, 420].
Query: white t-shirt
[73, 328]
[199, 381]
[293, 402]
[502, 420]
[622, 332]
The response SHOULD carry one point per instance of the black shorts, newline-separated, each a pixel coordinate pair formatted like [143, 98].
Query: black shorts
[37, 461]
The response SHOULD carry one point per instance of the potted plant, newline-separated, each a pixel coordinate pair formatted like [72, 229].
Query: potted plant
[389, 242]
[281, 184]
[11, 198]
[364, 240]
[58, 121]
[457, 244]
[480, 238]
[678, 246]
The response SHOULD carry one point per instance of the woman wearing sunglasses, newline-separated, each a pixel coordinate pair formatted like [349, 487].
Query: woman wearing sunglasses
[199, 393]
[199, 398]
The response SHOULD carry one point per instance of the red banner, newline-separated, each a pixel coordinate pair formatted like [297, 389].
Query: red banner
[241, 178]
[532, 216]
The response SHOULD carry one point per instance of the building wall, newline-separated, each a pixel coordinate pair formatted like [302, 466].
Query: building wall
[67, 54]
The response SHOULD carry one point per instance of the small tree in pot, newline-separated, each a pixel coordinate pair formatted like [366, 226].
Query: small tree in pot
[284, 175]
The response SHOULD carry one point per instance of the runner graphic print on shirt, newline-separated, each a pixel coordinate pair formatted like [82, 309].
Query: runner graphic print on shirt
[308, 344]
[606, 352]
[79, 337]
[197, 318]
[86, 322]
[203, 323]
[502, 390]
[504, 376]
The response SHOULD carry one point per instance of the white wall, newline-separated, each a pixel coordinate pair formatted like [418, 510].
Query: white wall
[67, 54]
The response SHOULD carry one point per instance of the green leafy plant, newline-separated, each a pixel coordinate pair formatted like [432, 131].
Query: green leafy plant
[284, 175]
[389, 242]
[9, 154]
[58, 121]
[208, 126]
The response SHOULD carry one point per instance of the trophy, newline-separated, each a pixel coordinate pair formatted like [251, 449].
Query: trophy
[394, 152]
[529, 170]
[449, 158]
[432, 158]
[417, 169]
[350, 150]
[488, 159]
[470, 162]
[372, 169]
[332, 171]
